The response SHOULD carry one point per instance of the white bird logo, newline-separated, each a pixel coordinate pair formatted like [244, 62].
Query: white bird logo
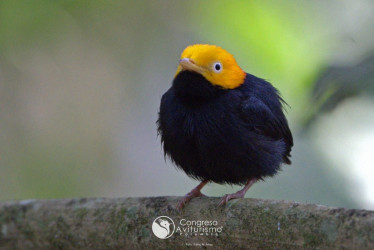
[161, 227]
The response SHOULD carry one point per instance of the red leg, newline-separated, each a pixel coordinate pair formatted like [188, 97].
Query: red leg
[194, 193]
[239, 194]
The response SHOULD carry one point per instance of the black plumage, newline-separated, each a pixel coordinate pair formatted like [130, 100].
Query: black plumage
[224, 135]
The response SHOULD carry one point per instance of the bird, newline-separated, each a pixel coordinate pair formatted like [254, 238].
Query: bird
[220, 124]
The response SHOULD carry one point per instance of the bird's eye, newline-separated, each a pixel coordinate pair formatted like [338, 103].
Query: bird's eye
[217, 67]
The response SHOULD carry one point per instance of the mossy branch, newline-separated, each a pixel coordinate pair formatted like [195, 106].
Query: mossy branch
[126, 223]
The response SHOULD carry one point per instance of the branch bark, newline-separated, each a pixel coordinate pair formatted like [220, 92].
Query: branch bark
[126, 223]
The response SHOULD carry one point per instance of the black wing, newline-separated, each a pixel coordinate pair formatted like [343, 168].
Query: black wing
[267, 122]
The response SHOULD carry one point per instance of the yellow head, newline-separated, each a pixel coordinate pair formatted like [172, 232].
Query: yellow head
[214, 63]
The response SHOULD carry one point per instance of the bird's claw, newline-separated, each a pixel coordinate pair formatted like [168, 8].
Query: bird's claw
[224, 200]
[194, 193]
[228, 197]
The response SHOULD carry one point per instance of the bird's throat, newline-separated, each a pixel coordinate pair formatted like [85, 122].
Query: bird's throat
[192, 86]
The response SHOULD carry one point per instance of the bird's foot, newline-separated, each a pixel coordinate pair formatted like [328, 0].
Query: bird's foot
[239, 194]
[227, 197]
[194, 193]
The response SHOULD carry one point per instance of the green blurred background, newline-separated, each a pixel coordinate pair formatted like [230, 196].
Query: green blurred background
[81, 82]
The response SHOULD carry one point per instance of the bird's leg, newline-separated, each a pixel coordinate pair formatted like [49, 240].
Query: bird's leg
[194, 193]
[239, 194]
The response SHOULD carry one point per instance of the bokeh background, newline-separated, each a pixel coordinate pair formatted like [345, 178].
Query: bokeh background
[81, 82]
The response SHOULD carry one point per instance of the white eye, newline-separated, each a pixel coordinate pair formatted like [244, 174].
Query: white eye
[217, 67]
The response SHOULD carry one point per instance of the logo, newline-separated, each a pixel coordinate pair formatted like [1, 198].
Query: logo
[163, 227]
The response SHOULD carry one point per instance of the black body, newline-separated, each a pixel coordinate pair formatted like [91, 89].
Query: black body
[224, 135]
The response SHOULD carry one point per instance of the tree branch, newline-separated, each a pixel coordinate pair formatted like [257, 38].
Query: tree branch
[127, 223]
